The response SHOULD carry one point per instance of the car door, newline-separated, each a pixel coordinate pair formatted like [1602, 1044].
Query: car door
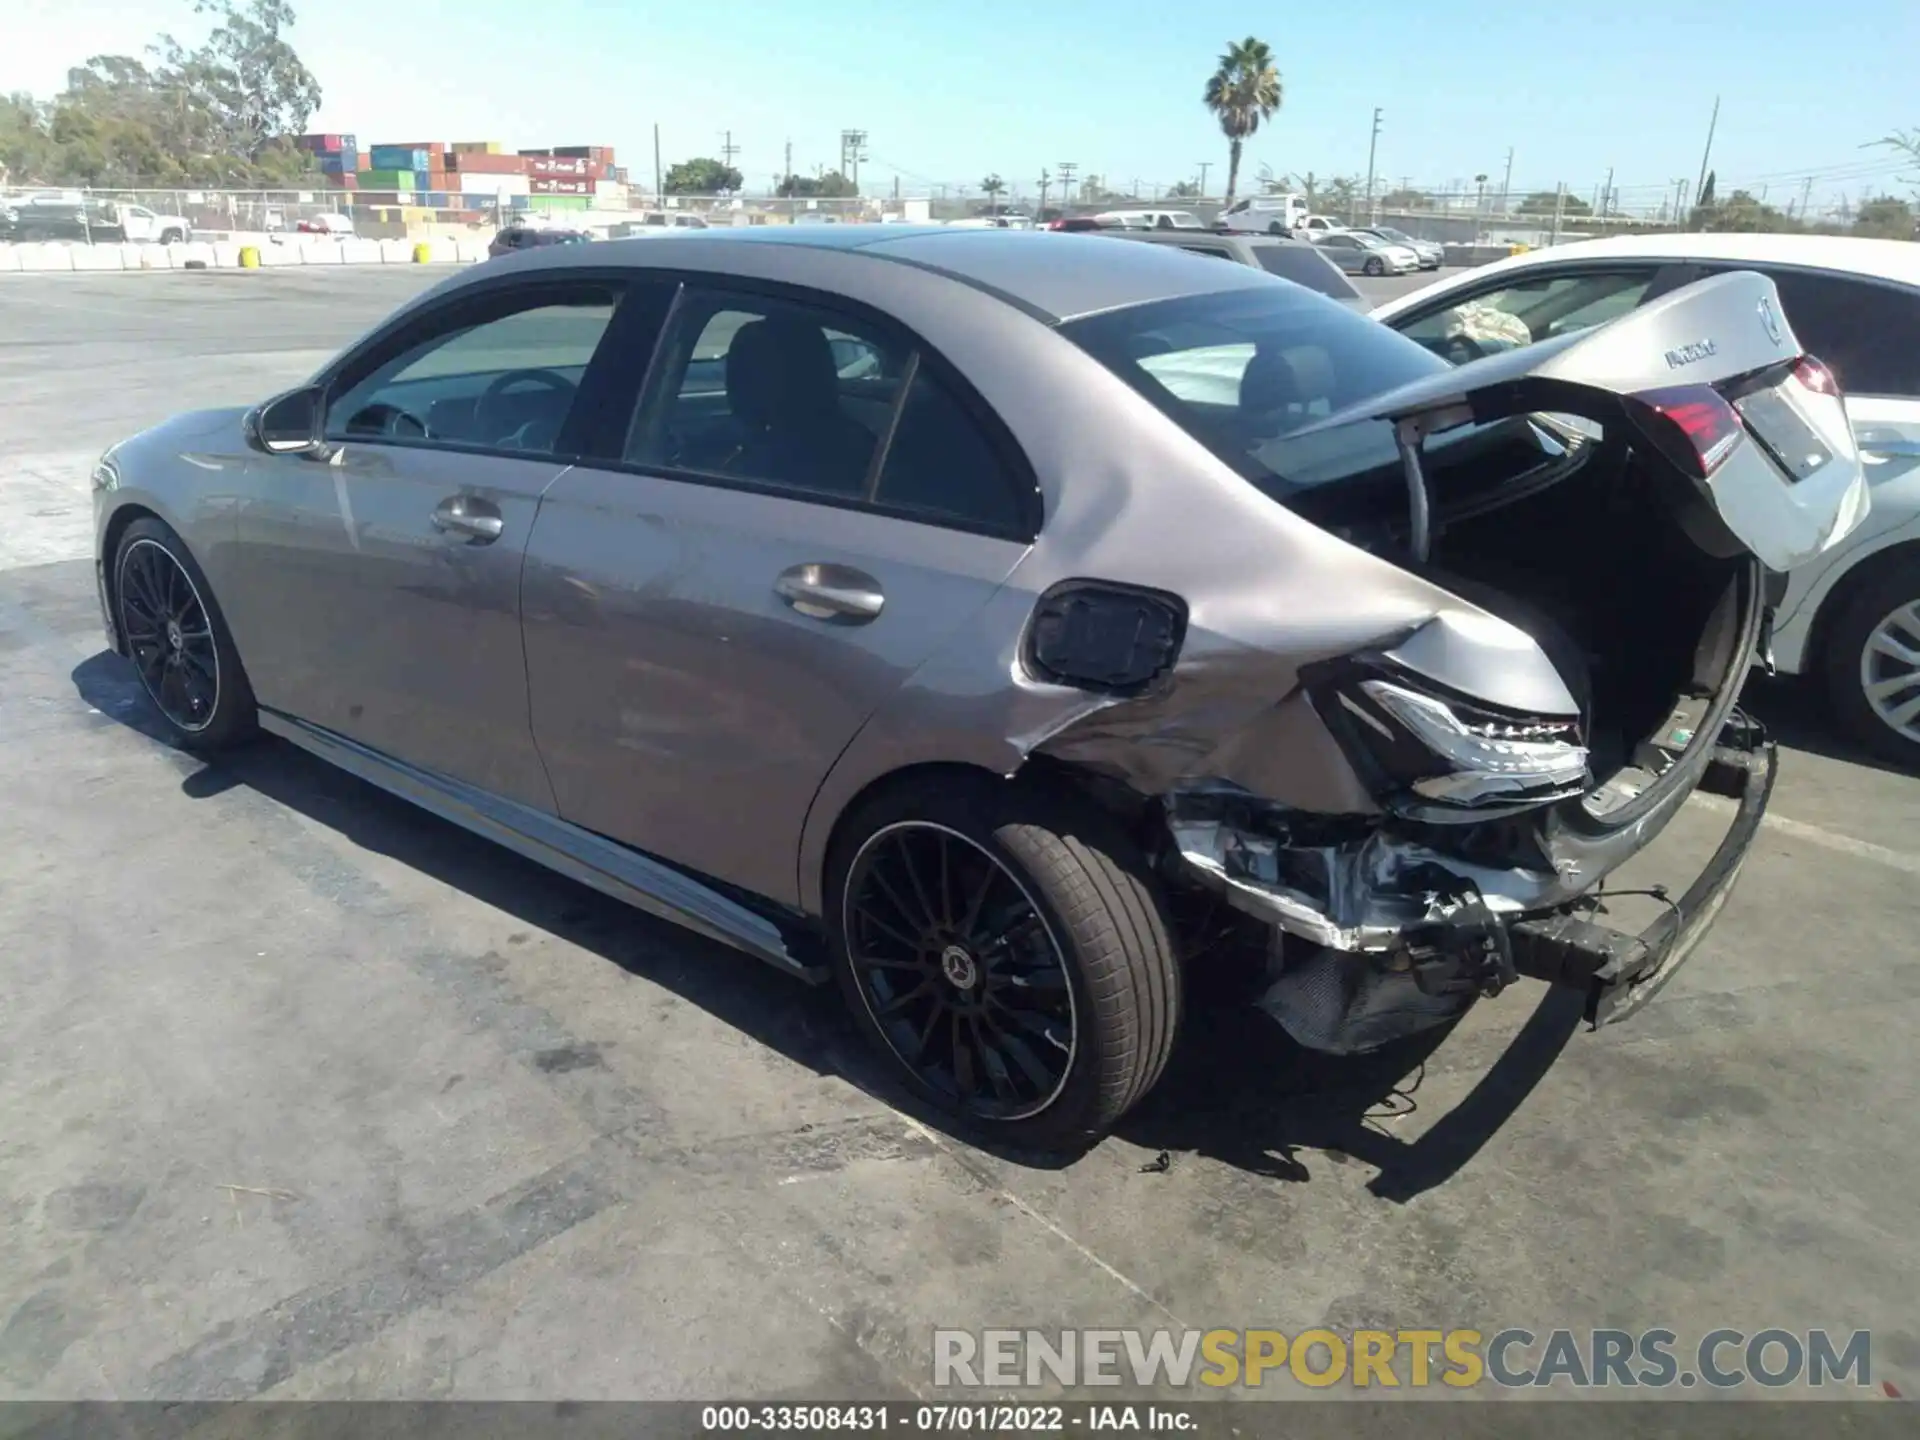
[714, 610]
[1345, 251]
[381, 577]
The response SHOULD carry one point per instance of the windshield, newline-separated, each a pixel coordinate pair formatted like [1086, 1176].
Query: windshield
[1243, 370]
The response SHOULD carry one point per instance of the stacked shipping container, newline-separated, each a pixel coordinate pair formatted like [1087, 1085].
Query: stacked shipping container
[470, 179]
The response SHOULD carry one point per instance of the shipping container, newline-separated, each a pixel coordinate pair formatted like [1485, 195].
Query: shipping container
[602, 153]
[489, 184]
[380, 178]
[555, 166]
[338, 162]
[319, 144]
[397, 157]
[343, 182]
[558, 202]
[477, 147]
[471, 163]
[562, 187]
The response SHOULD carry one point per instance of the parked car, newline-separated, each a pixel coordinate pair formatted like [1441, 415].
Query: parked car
[137, 222]
[1294, 260]
[1149, 219]
[329, 222]
[1114, 586]
[1076, 224]
[68, 215]
[1850, 619]
[1432, 255]
[1360, 253]
[1315, 226]
[1267, 214]
[512, 239]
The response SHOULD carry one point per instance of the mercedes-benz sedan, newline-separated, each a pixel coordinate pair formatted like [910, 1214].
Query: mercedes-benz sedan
[990, 621]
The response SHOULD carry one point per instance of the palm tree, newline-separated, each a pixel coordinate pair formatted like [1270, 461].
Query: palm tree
[1244, 90]
[993, 185]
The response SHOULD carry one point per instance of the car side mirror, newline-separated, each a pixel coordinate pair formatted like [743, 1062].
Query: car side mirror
[288, 424]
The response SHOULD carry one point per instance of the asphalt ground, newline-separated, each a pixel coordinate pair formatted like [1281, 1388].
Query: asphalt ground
[306, 1094]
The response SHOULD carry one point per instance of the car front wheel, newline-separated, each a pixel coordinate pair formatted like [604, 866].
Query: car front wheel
[1005, 948]
[1873, 664]
[1374, 267]
[178, 640]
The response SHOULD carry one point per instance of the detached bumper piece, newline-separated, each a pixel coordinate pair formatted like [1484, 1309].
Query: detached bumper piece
[1620, 972]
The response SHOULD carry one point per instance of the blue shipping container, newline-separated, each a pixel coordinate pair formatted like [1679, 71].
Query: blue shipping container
[339, 162]
[397, 157]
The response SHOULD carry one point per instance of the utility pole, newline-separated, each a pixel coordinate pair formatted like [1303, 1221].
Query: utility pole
[1506, 184]
[1205, 165]
[1559, 208]
[1806, 196]
[1700, 185]
[1606, 195]
[1066, 169]
[853, 149]
[728, 149]
[1045, 181]
[789, 165]
[656, 163]
[1372, 145]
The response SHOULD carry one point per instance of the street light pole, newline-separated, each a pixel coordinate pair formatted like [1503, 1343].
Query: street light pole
[1205, 165]
[1372, 145]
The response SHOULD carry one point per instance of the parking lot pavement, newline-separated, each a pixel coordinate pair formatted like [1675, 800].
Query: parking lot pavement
[304, 1093]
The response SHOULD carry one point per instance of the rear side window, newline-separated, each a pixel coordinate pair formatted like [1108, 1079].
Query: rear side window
[1305, 265]
[941, 464]
[1525, 312]
[1868, 334]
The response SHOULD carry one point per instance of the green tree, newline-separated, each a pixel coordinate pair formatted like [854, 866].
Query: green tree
[701, 176]
[1406, 200]
[830, 186]
[1541, 202]
[1243, 90]
[1887, 217]
[1907, 143]
[994, 186]
[1744, 212]
[1706, 200]
[1309, 188]
[1185, 190]
[1342, 196]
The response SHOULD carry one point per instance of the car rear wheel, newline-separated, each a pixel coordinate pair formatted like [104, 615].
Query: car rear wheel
[1374, 266]
[178, 640]
[1873, 664]
[1005, 948]
[1276, 228]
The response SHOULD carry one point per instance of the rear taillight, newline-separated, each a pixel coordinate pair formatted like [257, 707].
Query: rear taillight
[1692, 425]
[1816, 377]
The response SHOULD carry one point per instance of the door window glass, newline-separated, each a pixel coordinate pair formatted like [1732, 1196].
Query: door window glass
[942, 465]
[1525, 312]
[1868, 335]
[771, 392]
[504, 382]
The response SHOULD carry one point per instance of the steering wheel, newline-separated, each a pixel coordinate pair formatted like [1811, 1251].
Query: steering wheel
[548, 379]
[381, 418]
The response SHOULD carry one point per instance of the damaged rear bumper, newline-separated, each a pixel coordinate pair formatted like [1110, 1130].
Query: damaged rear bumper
[1401, 936]
[1619, 972]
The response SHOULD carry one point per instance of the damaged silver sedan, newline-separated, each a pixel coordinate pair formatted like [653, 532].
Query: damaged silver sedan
[955, 615]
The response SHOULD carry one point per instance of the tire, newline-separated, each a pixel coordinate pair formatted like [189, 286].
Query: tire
[1374, 266]
[162, 606]
[171, 237]
[1276, 229]
[1100, 952]
[1849, 664]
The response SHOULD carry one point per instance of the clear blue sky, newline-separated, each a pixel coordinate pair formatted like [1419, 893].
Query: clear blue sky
[951, 91]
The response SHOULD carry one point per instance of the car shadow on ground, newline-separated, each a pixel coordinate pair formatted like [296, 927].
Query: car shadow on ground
[1797, 715]
[1237, 1089]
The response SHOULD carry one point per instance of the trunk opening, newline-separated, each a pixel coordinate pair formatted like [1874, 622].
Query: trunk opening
[1602, 569]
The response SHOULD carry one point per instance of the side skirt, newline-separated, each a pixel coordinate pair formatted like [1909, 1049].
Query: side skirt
[563, 847]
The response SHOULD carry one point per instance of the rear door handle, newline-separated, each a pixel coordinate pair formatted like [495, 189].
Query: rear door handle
[479, 520]
[836, 593]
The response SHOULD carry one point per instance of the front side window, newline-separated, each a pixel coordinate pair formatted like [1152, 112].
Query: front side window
[1525, 312]
[500, 377]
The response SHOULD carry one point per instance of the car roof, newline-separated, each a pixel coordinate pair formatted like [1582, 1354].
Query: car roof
[1058, 277]
[1897, 260]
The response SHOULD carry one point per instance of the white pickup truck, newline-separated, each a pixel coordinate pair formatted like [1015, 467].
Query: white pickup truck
[139, 223]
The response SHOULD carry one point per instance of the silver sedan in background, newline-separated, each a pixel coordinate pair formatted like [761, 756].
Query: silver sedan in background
[1002, 625]
[1359, 252]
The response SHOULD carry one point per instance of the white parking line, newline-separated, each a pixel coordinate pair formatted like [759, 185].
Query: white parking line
[1827, 839]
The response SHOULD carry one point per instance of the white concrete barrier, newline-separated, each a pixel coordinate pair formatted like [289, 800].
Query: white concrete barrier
[396, 252]
[9, 258]
[319, 252]
[359, 252]
[192, 250]
[141, 256]
[469, 251]
[98, 257]
[226, 254]
[45, 255]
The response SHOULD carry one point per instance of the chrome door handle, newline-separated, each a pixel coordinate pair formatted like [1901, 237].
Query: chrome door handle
[470, 516]
[1892, 447]
[831, 592]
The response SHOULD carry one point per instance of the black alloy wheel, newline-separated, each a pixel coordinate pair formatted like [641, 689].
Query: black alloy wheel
[172, 630]
[960, 971]
[169, 636]
[1375, 267]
